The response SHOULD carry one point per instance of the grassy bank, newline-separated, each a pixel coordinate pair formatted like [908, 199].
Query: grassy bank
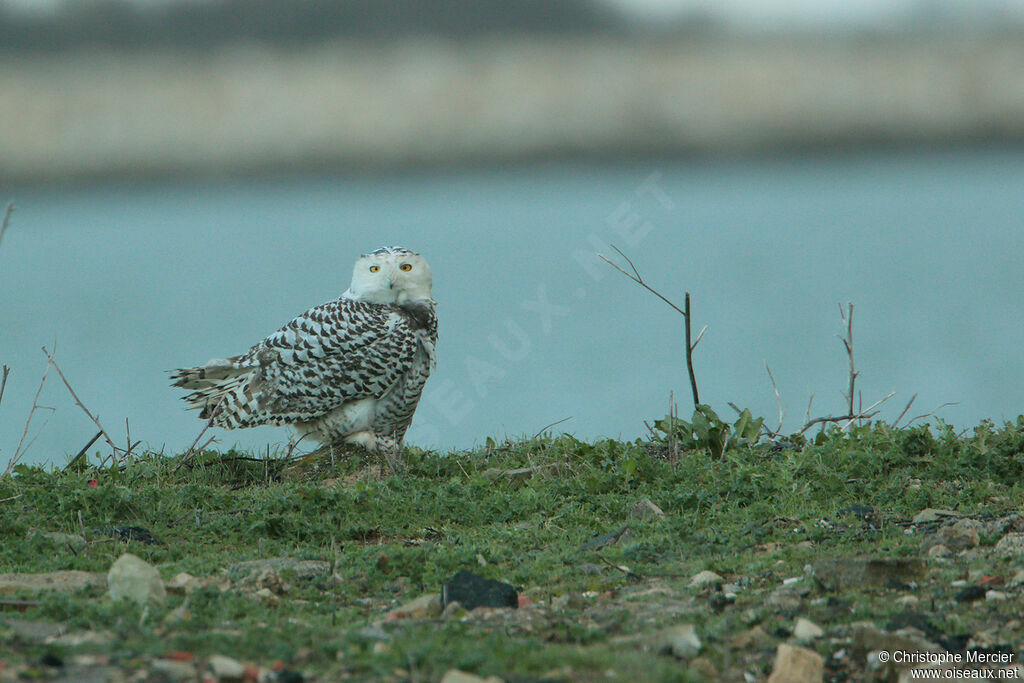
[768, 520]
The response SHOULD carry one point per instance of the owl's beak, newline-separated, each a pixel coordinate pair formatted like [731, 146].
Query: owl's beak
[391, 283]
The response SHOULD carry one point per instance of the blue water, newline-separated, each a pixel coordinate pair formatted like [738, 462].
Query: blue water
[127, 281]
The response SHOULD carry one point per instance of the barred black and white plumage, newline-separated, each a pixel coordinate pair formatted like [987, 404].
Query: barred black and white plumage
[350, 370]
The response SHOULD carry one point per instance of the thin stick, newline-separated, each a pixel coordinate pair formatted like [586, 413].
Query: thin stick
[689, 353]
[544, 429]
[18, 452]
[3, 381]
[944, 405]
[82, 452]
[848, 343]
[7, 220]
[187, 457]
[778, 398]
[690, 345]
[78, 401]
[637, 279]
[841, 418]
[7, 500]
[909, 403]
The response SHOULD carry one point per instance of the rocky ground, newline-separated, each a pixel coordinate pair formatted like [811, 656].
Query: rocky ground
[875, 555]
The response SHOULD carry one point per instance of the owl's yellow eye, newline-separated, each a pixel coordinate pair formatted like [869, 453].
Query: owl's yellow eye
[374, 269]
[406, 267]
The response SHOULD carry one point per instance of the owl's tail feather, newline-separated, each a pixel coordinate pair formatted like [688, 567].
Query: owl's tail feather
[211, 385]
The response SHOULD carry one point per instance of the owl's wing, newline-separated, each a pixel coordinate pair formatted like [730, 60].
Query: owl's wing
[331, 354]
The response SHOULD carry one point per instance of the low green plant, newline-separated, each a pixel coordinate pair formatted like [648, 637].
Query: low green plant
[706, 430]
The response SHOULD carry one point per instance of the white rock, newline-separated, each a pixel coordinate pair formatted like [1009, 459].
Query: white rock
[226, 668]
[806, 630]
[995, 595]
[133, 578]
[704, 579]
[680, 641]
[456, 676]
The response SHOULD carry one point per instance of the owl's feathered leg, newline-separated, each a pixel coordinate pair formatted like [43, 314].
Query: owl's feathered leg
[390, 448]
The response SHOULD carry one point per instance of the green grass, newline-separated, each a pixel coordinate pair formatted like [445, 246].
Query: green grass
[396, 538]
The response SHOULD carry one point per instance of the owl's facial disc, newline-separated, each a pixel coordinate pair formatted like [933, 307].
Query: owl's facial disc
[390, 275]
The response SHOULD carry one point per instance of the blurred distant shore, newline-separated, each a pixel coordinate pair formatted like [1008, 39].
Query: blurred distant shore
[366, 106]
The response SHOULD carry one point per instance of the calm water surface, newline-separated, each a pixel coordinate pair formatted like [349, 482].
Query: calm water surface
[128, 281]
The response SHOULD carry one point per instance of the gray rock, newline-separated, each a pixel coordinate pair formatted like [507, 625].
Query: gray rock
[133, 578]
[963, 534]
[645, 509]
[1011, 545]
[932, 515]
[786, 599]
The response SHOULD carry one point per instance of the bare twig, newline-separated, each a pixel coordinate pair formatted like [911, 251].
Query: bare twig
[190, 453]
[847, 317]
[909, 403]
[78, 401]
[673, 443]
[689, 352]
[685, 312]
[82, 452]
[3, 381]
[19, 451]
[921, 417]
[7, 220]
[544, 429]
[778, 400]
[840, 418]
[7, 500]
[620, 567]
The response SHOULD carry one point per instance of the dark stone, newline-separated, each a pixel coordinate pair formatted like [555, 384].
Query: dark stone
[50, 659]
[130, 533]
[601, 541]
[471, 591]
[970, 594]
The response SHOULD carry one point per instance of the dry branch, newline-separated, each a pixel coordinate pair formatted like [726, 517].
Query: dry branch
[82, 452]
[3, 381]
[685, 312]
[19, 451]
[7, 221]
[78, 401]
[847, 317]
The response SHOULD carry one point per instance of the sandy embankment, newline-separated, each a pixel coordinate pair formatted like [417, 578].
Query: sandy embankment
[365, 106]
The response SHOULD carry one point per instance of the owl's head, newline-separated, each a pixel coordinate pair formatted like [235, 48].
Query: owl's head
[390, 275]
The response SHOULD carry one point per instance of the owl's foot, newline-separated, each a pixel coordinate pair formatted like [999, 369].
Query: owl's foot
[390, 449]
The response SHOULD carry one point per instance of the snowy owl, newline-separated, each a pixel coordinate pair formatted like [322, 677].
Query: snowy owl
[350, 370]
